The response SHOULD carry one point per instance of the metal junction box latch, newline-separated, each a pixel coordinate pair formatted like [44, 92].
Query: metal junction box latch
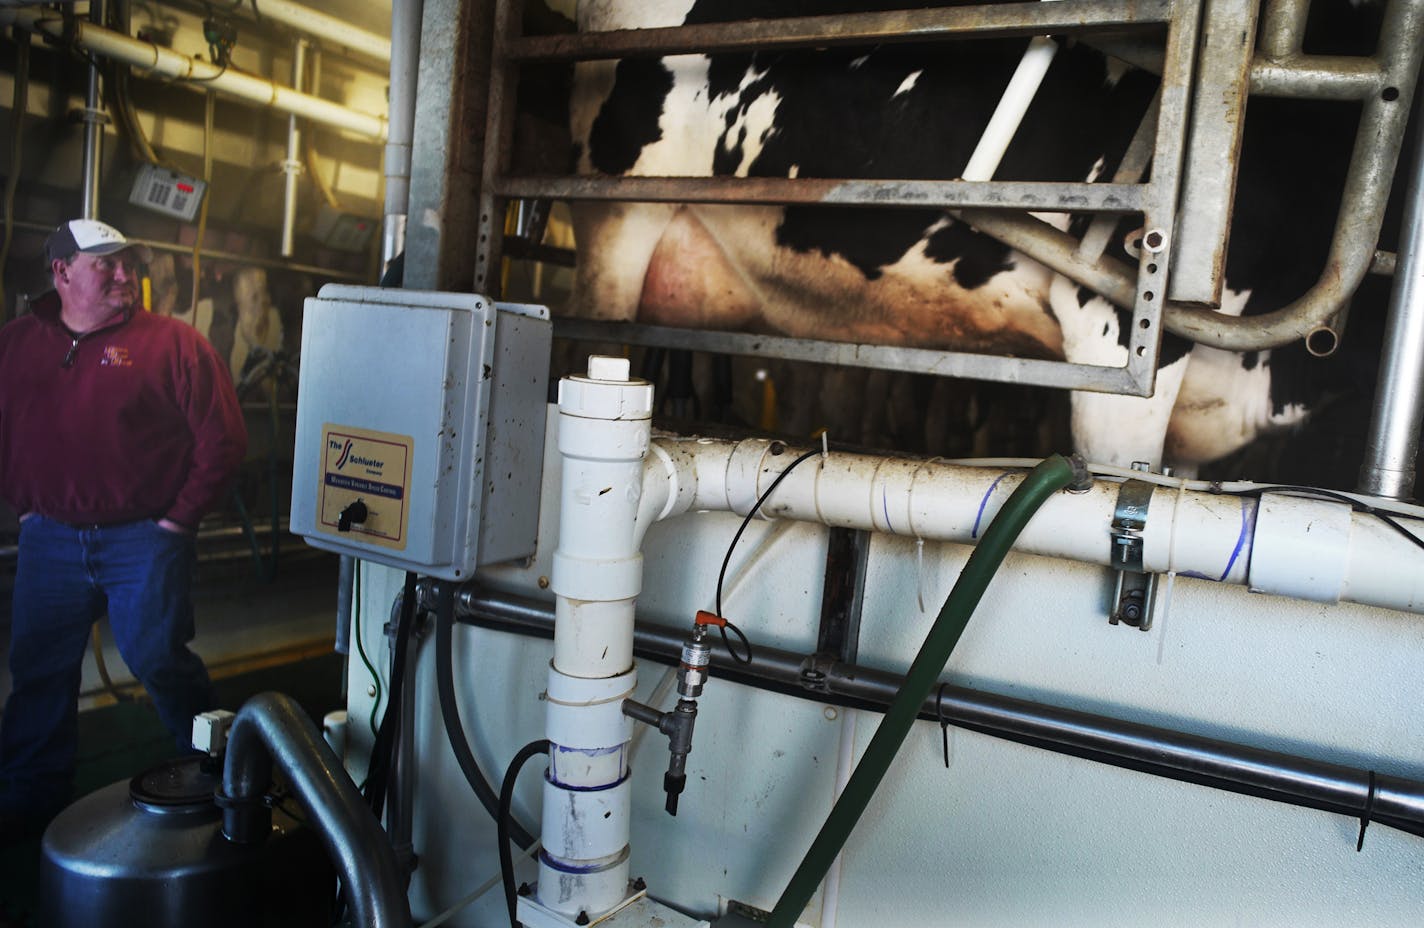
[1135, 588]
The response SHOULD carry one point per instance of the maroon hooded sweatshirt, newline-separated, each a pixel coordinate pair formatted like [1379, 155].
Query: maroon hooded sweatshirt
[137, 419]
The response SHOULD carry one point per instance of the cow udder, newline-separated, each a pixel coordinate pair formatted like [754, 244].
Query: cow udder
[691, 282]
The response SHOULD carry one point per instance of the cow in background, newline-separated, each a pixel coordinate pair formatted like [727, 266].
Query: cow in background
[915, 276]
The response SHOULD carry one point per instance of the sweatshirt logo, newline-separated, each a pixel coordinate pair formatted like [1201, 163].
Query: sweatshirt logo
[115, 356]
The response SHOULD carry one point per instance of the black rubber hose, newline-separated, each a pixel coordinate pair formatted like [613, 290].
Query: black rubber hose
[450, 714]
[383, 752]
[504, 821]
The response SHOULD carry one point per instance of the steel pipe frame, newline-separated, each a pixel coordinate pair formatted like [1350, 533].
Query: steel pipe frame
[982, 21]
[1397, 801]
[1156, 200]
[1367, 185]
[817, 191]
[1203, 223]
[848, 354]
[1280, 71]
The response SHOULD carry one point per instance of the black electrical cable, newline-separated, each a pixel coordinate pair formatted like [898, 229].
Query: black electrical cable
[504, 822]
[722, 574]
[450, 712]
[383, 752]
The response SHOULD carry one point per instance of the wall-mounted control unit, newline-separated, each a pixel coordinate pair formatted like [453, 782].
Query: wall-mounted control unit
[167, 192]
[420, 427]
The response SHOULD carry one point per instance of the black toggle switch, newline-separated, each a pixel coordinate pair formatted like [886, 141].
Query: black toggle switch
[354, 514]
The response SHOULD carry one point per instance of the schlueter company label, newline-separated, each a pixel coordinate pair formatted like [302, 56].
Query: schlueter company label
[373, 468]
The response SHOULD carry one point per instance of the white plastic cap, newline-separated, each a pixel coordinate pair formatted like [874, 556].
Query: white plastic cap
[605, 367]
[607, 392]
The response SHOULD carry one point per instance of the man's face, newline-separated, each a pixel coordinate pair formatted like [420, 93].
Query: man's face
[108, 281]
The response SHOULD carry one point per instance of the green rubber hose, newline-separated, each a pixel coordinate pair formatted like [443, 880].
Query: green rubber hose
[1046, 479]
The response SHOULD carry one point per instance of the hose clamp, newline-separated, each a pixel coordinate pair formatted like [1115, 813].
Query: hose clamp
[1132, 597]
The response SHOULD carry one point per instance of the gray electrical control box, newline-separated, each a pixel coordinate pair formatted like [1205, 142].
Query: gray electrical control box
[420, 427]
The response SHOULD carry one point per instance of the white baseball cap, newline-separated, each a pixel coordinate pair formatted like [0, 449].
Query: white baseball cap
[90, 237]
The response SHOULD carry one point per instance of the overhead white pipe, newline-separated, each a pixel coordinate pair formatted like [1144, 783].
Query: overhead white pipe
[1305, 548]
[330, 30]
[198, 76]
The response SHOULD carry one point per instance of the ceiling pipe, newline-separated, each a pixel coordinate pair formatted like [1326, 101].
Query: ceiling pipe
[155, 60]
[329, 30]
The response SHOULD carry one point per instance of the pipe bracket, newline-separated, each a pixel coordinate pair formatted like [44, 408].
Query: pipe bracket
[1133, 595]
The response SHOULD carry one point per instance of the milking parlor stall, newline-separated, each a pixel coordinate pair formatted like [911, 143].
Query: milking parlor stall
[813, 472]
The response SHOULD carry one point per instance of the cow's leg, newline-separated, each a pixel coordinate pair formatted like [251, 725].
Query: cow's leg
[1224, 405]
[1225, 402]
[1110, 429]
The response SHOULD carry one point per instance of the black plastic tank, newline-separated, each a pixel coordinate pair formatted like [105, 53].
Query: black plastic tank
[150, 853]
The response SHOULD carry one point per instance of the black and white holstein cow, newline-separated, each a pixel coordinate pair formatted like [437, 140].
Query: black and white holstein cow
[911, 276]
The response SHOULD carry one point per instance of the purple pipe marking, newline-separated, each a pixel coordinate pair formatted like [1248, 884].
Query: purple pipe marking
[984, 502]
[1248, 522]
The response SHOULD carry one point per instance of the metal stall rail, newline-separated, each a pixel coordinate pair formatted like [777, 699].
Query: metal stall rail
[1191, 140]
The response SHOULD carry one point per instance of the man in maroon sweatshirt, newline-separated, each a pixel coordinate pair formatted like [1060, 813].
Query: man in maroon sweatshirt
[119, 429]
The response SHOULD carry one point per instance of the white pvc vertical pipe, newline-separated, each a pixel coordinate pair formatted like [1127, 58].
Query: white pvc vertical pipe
[405, 64]
[604, 430]
[292, 167]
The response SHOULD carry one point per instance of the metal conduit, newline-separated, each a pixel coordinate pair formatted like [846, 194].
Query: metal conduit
[271, 729]
[1393, 445]
[94, 119]
[1397, 801]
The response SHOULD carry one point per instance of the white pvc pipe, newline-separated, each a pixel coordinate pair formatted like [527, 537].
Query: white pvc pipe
[329, 29]
[405, 65]
[292, 167]
[604, 428]
[199, 76]
[1217, 537]
[1009, 114]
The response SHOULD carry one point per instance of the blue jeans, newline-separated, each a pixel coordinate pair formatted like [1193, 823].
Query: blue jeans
[66, 578]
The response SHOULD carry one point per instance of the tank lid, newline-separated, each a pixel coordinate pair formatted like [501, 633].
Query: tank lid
[179, 784]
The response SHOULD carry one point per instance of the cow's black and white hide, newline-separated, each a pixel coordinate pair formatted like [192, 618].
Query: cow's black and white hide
[916, 276]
